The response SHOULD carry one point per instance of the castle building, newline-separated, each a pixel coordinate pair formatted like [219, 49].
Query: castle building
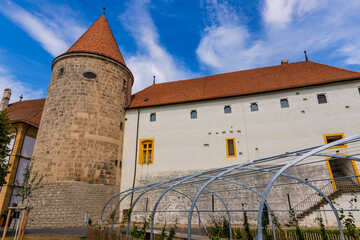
[95, 138]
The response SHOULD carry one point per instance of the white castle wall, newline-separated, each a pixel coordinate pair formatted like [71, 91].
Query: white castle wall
[183, 145]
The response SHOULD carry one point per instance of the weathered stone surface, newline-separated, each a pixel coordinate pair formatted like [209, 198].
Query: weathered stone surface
[80, 136]
[64, 204]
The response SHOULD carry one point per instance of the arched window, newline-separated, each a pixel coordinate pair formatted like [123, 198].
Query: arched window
[153, 117]
[146, 151]
[254, 107]
[227, 109]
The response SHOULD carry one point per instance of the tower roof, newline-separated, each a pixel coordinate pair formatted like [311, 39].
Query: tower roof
[98, 39]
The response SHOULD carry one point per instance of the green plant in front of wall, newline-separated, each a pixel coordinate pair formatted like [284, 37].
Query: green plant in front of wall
[31, 182]
[238, 234]
[172, 231]
[298, 231]
[141, 234]
[221, 229]
[323, 233]
[278, 227]
[264, 226]
[349, 221]
[246, 224]
[163, 234]
[5, 140]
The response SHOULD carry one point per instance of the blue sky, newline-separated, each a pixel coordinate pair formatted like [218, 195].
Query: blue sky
[177, 39]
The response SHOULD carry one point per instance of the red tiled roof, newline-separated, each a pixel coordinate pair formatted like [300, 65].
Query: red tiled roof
[26, 111]
[98, 39]
[252, 81]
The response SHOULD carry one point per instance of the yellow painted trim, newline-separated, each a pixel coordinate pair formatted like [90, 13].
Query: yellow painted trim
[356, 171]
[227, 147]
[335, 134]
[141, 148]
[331, 174]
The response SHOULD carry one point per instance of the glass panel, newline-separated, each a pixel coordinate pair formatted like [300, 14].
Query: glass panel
[230, 147]
[152, 117]
[321, 98]
[28, 147]
[144, 156]
[284, 103]
[145, 146]
[150, 145]
[149, 153]
[227, 109]
[193, 114]
[23, 163]
[254, 107]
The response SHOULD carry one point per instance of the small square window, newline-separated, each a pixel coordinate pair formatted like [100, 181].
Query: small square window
[329, 138]
[227, 109]
[153, 117]
[254, 107]
[321, 98]
[193, 114]
[284, 103]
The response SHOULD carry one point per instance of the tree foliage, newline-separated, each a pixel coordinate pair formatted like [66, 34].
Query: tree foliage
[5, 139]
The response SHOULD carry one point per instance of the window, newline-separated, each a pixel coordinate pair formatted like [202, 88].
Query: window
[321, 98]
[329, 138]
[230, 147]
[359, 90]
[193, 114]
[284, 103]
[61, 72]
[254, 107]
[153, 117]
[227, 109]
[146, 151]
[89, 75]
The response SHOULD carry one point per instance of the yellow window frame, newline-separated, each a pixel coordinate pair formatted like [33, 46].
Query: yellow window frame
[227, 147]
[335, 134]
[144, 150]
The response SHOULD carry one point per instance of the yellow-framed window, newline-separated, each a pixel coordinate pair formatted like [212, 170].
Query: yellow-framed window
[146, 151]
[230, 147]
[329, 138]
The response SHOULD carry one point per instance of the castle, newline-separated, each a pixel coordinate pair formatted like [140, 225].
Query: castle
[94, 138]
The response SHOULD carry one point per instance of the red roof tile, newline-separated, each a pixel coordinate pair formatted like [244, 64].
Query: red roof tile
[26, 111]
[98, 39]
[252, 81]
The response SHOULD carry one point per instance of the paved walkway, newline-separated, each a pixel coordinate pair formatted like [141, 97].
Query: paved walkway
[79, 231]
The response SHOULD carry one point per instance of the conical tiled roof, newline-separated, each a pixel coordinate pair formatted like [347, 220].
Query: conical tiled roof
[98, 39]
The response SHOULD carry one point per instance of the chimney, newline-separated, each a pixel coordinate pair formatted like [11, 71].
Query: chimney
[285, 61]
[5, 99]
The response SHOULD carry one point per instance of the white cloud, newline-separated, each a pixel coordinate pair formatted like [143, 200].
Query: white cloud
[8, 80]
[288, 28]
[282, 12]
[151, 59]
[55, 33]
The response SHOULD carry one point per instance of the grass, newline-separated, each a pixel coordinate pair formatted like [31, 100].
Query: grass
[42, 237]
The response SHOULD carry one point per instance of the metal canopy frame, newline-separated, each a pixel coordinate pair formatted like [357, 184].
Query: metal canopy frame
[277, 165]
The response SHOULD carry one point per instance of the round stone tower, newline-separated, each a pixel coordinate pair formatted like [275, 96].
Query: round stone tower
[79, 143]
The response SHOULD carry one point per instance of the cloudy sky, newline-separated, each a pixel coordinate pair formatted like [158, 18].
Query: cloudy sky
[177, 39]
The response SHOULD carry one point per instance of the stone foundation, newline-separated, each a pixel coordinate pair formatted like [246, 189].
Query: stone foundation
[64, 204]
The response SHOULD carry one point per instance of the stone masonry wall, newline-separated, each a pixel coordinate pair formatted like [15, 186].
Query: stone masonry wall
[80, 136]
[58, 205]
[234, 196]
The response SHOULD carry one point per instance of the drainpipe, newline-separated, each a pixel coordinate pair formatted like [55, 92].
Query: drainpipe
[136, 152]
